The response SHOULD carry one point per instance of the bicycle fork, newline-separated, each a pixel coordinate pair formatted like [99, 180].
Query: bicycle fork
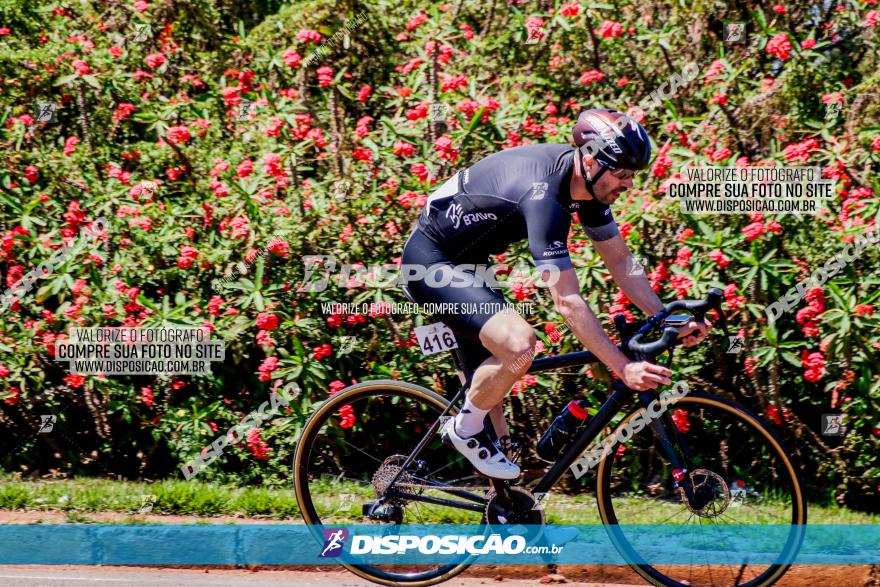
[660, 427]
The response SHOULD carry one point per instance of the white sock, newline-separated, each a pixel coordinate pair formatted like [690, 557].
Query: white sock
[469, 420]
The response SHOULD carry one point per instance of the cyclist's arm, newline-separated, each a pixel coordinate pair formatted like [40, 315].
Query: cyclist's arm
[618, 259]
[583, 322]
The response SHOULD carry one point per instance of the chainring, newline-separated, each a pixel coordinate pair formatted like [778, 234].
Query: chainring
[523, 508]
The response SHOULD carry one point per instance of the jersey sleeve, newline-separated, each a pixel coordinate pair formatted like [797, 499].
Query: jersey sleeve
[547, 225]
[597, 221]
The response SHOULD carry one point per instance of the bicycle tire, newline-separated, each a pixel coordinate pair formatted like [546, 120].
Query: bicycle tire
[799, 507]
[301, 467]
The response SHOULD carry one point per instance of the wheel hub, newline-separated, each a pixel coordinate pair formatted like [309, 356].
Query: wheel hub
[711, 493]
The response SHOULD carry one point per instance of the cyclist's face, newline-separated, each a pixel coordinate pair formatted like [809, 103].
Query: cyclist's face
[609, 187]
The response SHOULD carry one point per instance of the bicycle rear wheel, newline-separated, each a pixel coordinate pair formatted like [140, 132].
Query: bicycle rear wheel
[742, 474]
[354, 445]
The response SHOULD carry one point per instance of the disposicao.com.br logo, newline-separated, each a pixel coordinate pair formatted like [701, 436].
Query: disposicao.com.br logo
[433, 544]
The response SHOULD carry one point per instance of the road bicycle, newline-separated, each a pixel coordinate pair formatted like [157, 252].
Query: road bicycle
[706, 460]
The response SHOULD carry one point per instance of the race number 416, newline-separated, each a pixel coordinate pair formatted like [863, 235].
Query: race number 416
[435, 338]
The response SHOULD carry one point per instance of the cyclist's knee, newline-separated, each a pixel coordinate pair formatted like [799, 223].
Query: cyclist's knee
[519, 343]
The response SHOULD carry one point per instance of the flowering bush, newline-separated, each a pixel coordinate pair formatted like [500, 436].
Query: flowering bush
[216, 130]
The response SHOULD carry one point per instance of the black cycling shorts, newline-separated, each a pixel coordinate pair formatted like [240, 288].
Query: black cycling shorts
[421, 250]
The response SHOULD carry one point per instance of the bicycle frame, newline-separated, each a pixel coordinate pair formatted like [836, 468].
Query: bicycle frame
[616, 402]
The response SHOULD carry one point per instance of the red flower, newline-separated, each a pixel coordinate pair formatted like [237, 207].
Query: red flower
[571, 9]
[680, 418]
[800, 151]
[779, 46]
[609, 29]
[4, 372]
[420, 171]
[325, 76]
[178, 134]
[416, 21]
[257, 445]
[267, 321]
[81, 67]
[753, 231]
[187, 256]
[403, 149]
[70, 145]
[721, 154]
[720, 260]
[814, 363]
[265, 369]
[322, 351]
[74, 380]
[808, 44]
[348, 417]
[147, 396]
[589, 77]
[362, 154]
[683, 257]
[308, 35]
[155, 60]
[292, 58]
[417, 113]
[15, 392]
[663, 163]
[778, 8]
[336, 387]
[864, 310]
[364, 93]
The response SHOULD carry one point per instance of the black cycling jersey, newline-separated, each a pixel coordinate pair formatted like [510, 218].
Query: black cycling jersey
[520, 193]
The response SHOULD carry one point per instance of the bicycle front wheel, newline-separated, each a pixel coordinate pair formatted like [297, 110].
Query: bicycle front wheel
[355, 445]
[741, 473]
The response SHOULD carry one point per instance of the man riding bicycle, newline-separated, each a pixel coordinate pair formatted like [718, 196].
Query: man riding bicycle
[530, 193]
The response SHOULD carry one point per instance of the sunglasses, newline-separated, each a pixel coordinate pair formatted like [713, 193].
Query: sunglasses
[623, 174]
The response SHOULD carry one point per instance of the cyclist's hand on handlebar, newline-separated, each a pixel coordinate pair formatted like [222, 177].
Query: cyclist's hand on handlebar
[693, 332]
[643, 376]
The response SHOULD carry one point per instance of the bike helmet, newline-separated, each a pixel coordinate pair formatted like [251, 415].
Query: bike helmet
[613, 138]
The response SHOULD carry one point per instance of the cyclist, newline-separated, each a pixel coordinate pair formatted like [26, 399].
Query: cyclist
[530, 193]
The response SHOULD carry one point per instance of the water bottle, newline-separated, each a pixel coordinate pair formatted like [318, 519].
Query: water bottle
[557, 436]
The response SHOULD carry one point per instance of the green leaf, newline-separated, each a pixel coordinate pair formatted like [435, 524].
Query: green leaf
[65, 80]
[90, 79]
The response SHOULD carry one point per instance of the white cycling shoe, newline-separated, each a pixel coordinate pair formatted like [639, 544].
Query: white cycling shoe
[481, 452]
